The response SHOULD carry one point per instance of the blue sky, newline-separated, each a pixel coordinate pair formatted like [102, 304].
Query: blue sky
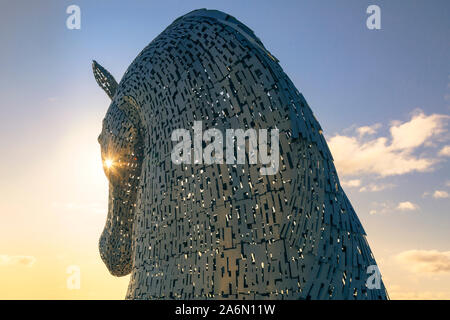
[352, 77]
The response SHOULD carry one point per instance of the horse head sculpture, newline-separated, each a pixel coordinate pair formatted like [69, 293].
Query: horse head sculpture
[219, 230]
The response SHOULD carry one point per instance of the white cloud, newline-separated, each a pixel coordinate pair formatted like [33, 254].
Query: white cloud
[445, 151]
[351, 183]
[417, 131]
[393, 155]
[425, 261]
[440, 194]
[7, 260]
[407, 206]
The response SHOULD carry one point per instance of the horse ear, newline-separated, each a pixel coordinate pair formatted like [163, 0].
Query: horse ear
[104, 79]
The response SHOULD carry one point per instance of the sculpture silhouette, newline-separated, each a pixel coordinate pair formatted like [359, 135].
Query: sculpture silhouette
[223, 231]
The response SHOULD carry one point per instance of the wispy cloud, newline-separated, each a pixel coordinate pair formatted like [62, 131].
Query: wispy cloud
[395, 154]
[374, 187]
[445, 151]
[425, 261]
[351, 183]
[382, 208]
[369, 187]
[368, 130]
[440, 194]
[437, 194]
[398, 294]
[407, 206]
[7, 260]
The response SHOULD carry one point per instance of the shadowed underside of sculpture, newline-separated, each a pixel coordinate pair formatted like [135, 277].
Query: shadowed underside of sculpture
[223, 231]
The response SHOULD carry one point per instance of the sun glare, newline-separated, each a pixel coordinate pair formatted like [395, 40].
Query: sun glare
[108, 163]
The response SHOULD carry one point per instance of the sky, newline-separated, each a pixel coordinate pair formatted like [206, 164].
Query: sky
[382, 98]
